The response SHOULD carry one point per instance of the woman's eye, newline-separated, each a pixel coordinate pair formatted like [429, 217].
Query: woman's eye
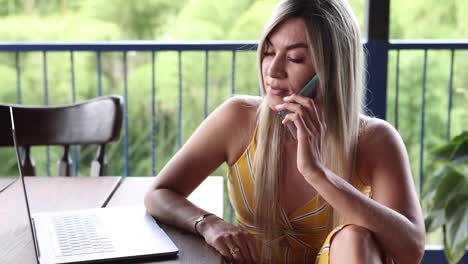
[268, 53]
[296, 60]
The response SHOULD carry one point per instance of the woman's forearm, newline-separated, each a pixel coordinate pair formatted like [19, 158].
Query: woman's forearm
[173, 209]
[397, 235]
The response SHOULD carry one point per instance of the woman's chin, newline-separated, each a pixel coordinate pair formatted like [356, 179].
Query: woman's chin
[273, 101]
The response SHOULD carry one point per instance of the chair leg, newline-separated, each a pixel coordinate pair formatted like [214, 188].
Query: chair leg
[99, 164]
[27, 162]
[64, 165]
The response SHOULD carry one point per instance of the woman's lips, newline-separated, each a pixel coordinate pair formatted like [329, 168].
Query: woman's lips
[278, 91]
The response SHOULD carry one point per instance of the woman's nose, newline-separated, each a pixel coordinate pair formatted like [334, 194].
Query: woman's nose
[276, 68]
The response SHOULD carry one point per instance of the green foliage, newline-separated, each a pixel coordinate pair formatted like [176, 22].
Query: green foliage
[413, 19]
[21, 28]
[446, 196]
[222, 14]
[408, 118]
[137, 19]
[34, 7]
[455, 151]
[250, 24]
[8, 7]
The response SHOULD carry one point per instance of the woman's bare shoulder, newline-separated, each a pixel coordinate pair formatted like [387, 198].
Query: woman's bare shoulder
[248, 101]
[376, 130]
[379, 141]
[237, 107]
[241, 108]
[243, 119]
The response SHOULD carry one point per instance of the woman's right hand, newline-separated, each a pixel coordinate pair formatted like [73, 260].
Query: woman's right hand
[234, 243]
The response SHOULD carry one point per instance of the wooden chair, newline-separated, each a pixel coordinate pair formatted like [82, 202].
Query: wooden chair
[96, 121]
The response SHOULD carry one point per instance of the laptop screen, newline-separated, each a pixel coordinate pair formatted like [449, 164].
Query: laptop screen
[16, 229]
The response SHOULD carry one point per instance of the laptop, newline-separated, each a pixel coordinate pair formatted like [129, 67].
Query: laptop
[95, 235]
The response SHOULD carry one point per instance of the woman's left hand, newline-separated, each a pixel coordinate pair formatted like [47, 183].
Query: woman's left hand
[308, 119]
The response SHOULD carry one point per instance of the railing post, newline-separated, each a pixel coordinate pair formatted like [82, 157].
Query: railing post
[376, 33]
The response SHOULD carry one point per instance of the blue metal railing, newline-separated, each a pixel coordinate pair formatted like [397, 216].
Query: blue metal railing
[455, 44]
[99, 47]
[432, 254]
[425, 46]
[124, 47]
[129, 46]
[207, 46]
[73, 85]
[153, 114]
[179, 65]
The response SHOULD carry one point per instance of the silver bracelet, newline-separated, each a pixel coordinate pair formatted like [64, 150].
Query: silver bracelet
[198, 220]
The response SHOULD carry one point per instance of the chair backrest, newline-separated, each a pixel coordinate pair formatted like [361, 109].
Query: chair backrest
[96, 121]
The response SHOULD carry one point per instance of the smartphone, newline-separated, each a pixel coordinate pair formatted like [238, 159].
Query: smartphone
[309, 90]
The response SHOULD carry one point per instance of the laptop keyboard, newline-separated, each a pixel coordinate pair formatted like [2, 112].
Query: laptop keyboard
[81, 234]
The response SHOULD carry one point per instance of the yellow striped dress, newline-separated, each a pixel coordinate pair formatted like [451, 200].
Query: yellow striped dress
[305, 237]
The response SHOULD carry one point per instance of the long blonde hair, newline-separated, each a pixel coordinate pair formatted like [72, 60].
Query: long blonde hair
[337, 54]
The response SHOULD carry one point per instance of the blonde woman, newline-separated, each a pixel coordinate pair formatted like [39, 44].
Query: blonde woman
[341, 193]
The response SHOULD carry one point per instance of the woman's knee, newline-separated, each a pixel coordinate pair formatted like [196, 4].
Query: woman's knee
[355, 243]
[353, 233]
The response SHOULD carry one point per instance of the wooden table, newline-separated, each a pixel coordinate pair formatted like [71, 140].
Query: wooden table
[71, 193]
